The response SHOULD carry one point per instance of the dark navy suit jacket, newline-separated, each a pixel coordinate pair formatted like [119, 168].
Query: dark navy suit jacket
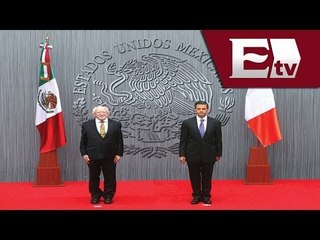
[194, 147]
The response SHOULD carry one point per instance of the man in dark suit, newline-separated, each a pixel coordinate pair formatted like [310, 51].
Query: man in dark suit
[101, 147]
[200, 152]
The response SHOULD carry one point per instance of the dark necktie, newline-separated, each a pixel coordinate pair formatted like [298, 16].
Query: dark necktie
[201, 127]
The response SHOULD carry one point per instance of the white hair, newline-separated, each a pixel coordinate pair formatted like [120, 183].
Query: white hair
[95, 109]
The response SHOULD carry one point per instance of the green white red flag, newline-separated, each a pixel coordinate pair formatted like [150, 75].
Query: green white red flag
[49, 117]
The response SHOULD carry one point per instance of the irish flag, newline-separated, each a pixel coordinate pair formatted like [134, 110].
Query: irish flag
[49, 118]
[261, 115]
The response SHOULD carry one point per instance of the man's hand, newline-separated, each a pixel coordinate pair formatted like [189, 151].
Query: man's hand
[182, 159]
[86, 158]
[116, 158]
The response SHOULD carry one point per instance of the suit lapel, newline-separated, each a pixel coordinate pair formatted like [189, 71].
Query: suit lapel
[110, 127]
[195, 126]
[94, 127]
[208, 128]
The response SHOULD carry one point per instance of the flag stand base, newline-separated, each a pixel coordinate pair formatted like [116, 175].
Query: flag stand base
[48, 171]
[258, 167]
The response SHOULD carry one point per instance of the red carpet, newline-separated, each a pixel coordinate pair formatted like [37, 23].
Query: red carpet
[165, 195]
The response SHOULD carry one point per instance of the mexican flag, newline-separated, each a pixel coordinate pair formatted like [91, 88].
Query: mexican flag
[261, 115]
[49, 118]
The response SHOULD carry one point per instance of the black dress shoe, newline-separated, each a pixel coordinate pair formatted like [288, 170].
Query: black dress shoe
[95, 200]
[108, 201]
[195, 200]
[207, 200]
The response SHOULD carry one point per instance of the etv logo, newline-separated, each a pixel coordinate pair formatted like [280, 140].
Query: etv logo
[260, 58]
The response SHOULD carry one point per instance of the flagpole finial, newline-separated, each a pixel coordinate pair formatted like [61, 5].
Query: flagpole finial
[46, 45]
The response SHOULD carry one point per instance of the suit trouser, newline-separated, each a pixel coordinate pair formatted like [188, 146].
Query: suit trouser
[108, 168]
[201, 176]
